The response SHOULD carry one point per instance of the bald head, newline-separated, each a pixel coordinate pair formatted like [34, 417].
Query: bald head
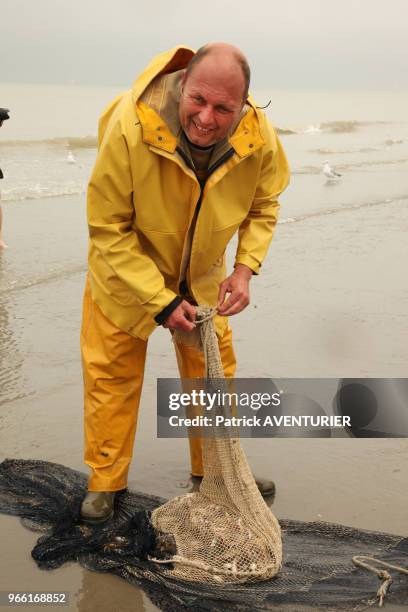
[228, 61]
[214, 89]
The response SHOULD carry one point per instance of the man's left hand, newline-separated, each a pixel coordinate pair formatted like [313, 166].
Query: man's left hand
[237, 285]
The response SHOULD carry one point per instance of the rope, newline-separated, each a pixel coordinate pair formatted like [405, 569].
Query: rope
[205, 314]
[360, 561]
[209, 341]
[208, 568]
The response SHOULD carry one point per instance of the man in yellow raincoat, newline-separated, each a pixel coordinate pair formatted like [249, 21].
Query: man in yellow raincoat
[185, 160]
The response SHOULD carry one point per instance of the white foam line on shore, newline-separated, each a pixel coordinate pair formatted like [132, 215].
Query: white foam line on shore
[41, 195]
[346, 208]
[352, 166]
[56, 275]
[75, 142]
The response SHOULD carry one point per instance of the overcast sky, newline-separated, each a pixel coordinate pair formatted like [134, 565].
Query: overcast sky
[316, 44]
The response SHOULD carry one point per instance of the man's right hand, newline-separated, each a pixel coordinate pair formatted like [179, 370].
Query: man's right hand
[182, 317]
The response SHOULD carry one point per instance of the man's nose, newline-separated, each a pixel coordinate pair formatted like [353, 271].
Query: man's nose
[206, 116]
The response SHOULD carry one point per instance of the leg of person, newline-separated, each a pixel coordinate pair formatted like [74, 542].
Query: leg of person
[113, 369]
[3, 245]
[191, 365]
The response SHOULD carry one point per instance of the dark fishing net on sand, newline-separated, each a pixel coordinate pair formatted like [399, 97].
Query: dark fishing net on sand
[317, 566]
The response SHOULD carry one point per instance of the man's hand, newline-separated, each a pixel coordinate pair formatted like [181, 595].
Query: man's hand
[237, 284]
[182, 317]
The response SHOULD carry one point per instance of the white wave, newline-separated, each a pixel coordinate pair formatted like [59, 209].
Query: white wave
[288, 220]
[312, 129]
[349, 150]
[351, 166]
[346, 207]
[38, 192]
[73, 142]
[49, 277]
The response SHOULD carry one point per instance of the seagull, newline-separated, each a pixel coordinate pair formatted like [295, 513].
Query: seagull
[71, 159]
[329, 172]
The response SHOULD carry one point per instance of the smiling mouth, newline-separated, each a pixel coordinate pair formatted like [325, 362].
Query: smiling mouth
[201, 130]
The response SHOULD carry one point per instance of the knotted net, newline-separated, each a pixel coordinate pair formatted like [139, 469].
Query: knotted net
[224, 533]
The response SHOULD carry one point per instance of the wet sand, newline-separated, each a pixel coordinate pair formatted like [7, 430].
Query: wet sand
[331, 302]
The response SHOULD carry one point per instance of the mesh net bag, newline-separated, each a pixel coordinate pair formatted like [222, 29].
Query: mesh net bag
[225, 533]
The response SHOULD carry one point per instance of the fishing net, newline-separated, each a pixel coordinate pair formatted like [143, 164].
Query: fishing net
[317, 570]
[225, 533]
[217, 549]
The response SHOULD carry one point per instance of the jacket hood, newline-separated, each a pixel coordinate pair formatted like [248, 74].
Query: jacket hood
[168, 61]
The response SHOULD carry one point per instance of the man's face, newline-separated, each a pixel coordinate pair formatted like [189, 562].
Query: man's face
[210, 103]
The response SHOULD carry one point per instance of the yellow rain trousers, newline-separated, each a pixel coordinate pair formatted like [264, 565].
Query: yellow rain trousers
[113, 367]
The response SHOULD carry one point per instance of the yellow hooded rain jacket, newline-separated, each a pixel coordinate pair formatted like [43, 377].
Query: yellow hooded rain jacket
[143, 195]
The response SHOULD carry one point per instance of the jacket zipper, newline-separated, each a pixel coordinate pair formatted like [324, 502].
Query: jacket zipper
[184, 289]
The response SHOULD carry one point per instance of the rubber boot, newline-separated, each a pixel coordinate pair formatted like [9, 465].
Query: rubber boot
[97, 507]
[266, 487]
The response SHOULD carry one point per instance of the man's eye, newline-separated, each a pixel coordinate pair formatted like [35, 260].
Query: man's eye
[223, 110]
[198, 99]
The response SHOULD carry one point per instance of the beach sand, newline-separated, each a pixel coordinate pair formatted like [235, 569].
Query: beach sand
[331, 302]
